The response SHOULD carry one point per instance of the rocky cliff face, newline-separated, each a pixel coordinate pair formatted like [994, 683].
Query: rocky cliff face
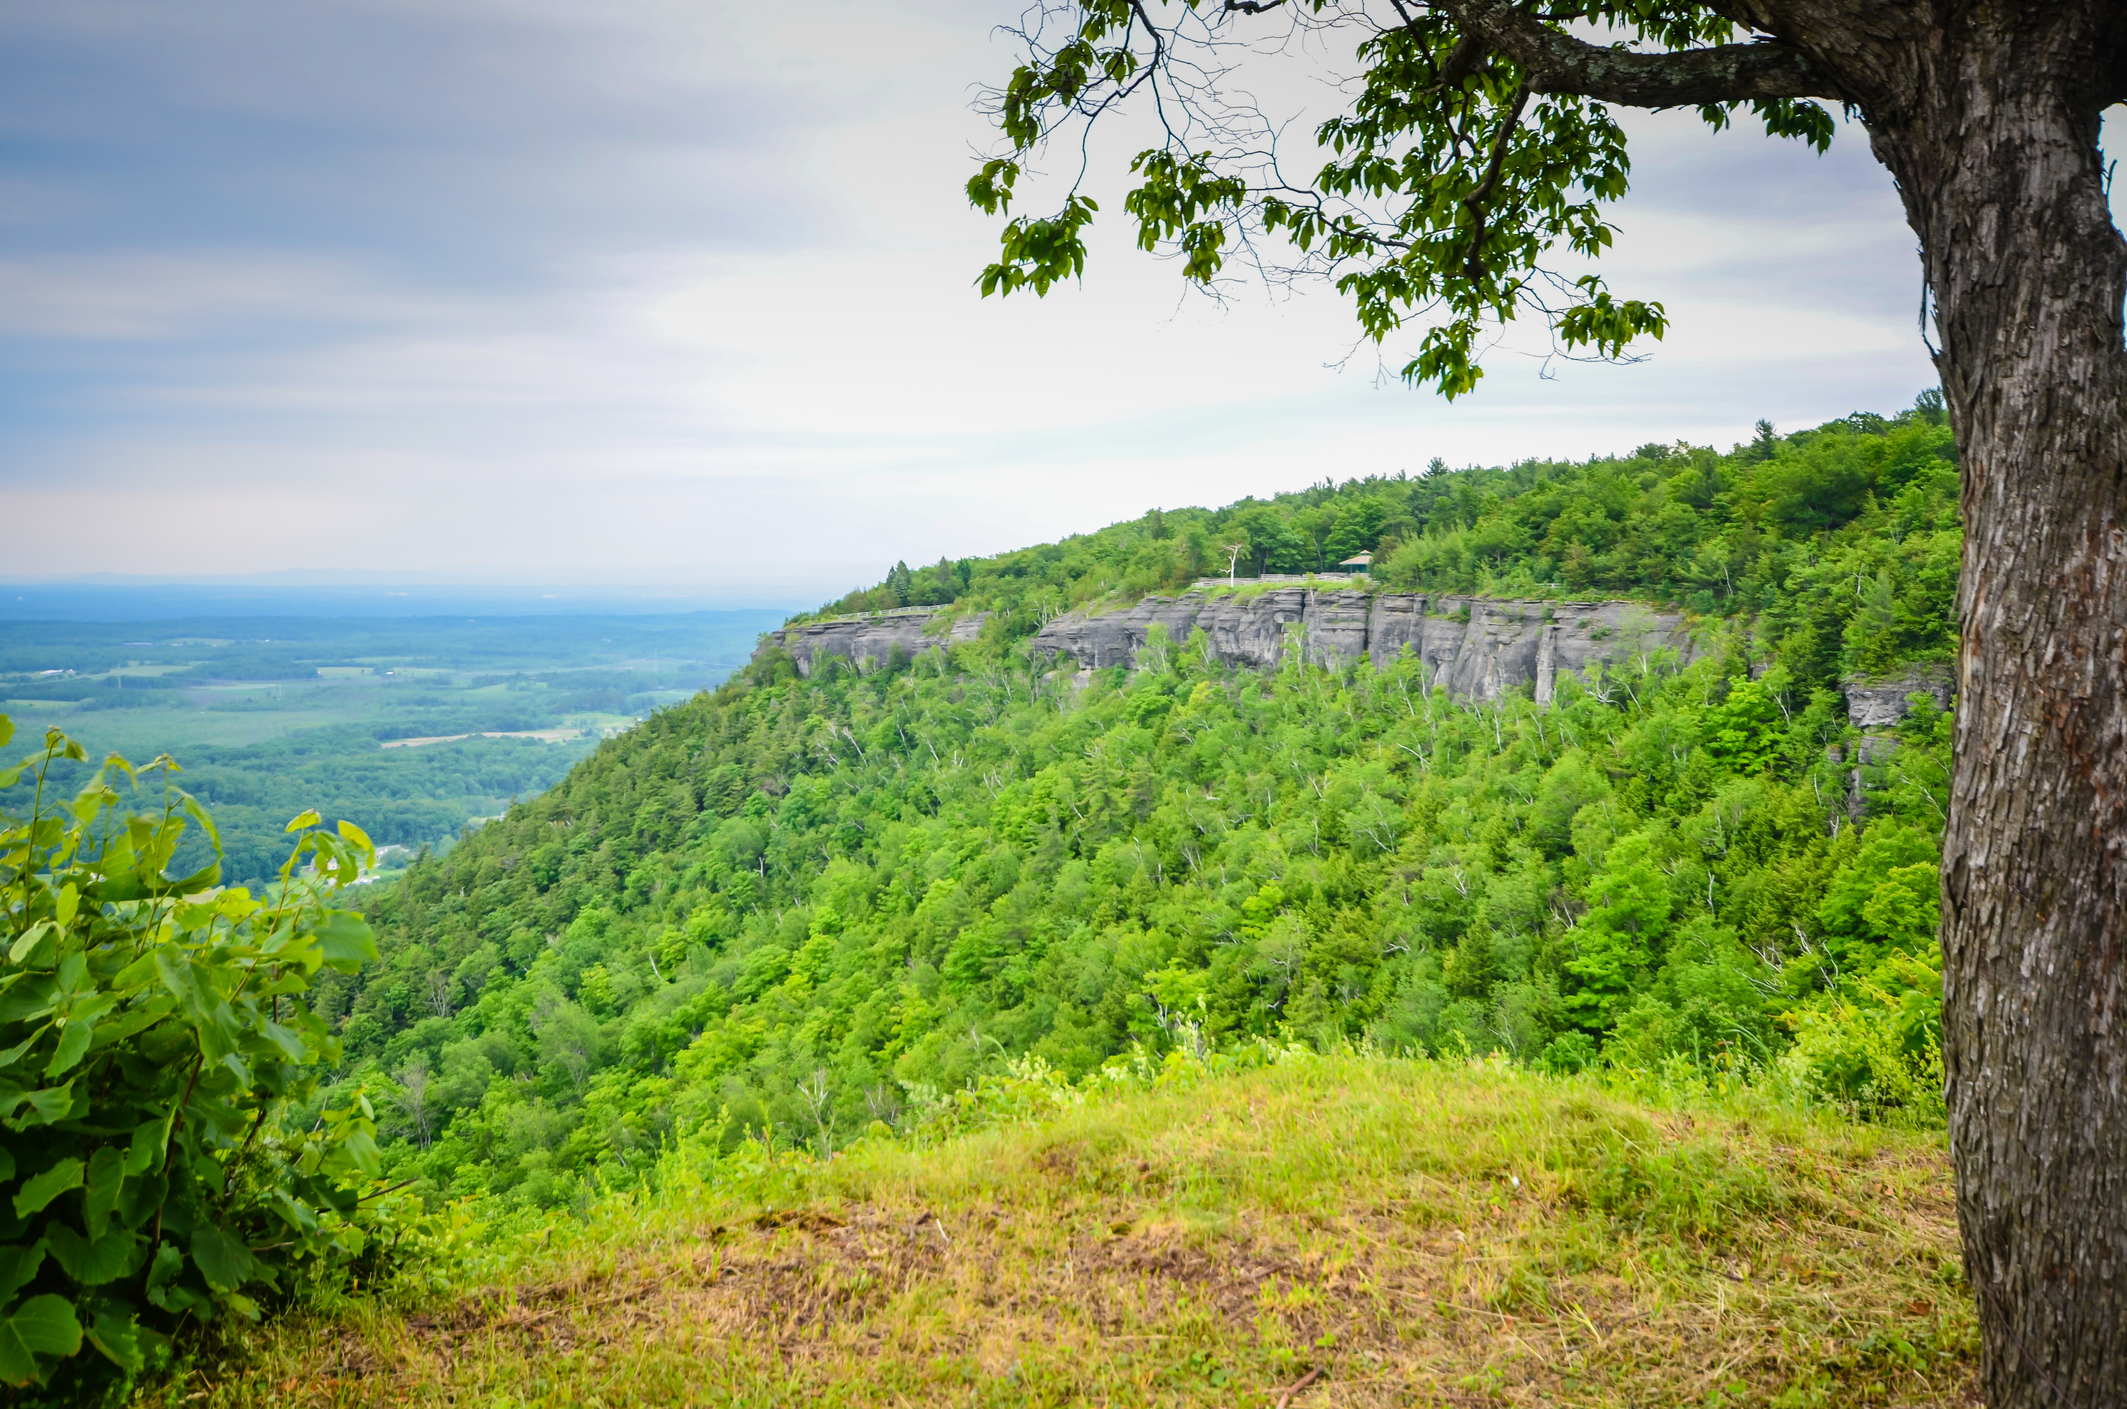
[1878, 704]
[1876, 707]
[1476, 648]
[868, 640]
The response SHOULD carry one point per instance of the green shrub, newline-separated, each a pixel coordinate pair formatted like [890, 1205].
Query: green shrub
[163, 1160]
[1875, 1050]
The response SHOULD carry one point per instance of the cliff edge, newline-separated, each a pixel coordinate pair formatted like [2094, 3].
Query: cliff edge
[869, 639]
[1476, 648]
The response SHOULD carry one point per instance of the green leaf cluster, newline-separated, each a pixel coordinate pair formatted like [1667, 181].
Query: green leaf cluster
[162, 1161]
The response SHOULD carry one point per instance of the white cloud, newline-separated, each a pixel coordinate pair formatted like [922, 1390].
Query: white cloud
[667, 291]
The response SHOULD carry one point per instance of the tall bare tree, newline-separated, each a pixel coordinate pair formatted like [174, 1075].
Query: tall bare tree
[413, 1101]
[1477, 138]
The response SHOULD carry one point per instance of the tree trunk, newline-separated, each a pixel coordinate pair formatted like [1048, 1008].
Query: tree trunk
[1997, 160]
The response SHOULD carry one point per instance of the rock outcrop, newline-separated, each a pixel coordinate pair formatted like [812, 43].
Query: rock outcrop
[1477, 648]
[1879, 704]
[1876, 707]
[868, 640]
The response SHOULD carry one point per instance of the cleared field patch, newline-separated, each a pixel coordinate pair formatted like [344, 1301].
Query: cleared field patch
[551, 736]
[1343, 1231]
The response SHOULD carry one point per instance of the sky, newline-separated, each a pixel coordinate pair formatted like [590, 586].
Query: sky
[648, 292]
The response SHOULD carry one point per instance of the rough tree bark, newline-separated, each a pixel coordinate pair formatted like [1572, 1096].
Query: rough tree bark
[1994, 143]
[1987, 113]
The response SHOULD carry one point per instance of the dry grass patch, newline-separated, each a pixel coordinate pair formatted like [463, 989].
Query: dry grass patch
[1325, 1232]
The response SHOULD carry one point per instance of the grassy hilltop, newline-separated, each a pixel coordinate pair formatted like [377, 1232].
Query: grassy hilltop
[1318, 1231]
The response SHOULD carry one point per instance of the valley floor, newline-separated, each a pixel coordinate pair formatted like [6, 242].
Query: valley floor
[1321, 1231]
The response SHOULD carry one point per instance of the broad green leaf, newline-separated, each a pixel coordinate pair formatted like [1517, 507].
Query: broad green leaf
[7, 730]
[287, 1042]
[90, 801]
[199, 880]
[138, 974]
[294, 981]
[115, 867]
[120, 884]
[297, 1213]
[206, 823]
[161, 846]
[236, 903]
[346, 940]
[117, 1335]
[43, 1325]
[14, 1054]
[221, 1259]
[166, 1267]
[236, 1066]
[40, 1189]
[17, 1266]
[90, 1004]
[358, 1152]
[177, 1299]
[37, 947]
[72, 975]
[301, 820]
[73, 1045]
[158, 985]
[142, 1195]
[180, 975]
[149, 1141]
[337, 861]
[28, 996]
[52, 1103]
[93, 1263]
[107, 1168]
[134, 1019]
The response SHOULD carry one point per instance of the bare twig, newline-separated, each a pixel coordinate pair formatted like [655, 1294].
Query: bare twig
[1285, 1395]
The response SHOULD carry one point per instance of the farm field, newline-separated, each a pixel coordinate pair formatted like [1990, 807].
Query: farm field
[411, 728]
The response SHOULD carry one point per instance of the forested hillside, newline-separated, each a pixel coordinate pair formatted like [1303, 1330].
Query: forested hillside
[808, 905]
[1792, 530]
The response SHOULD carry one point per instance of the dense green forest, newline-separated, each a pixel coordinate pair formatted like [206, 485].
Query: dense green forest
[806, 906]
[402, 797]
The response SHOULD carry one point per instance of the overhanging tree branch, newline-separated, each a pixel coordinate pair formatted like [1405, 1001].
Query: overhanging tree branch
[1556, 62]
[1475, 202]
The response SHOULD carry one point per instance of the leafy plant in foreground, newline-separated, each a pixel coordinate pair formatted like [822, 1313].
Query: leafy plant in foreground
[159, 1161]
